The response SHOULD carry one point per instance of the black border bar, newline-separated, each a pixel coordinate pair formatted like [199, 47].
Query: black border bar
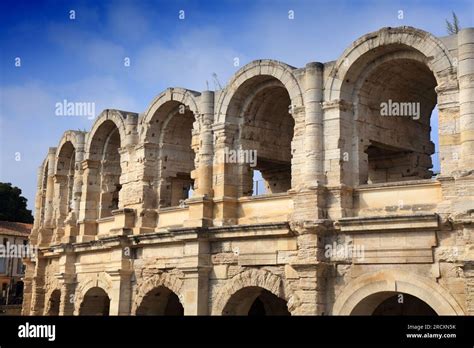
[243, 331]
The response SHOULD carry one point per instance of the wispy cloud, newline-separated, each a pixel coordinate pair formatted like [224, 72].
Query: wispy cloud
[189, 62]
[29, 125]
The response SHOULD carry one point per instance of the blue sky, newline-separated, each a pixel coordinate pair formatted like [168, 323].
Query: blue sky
[83, 59]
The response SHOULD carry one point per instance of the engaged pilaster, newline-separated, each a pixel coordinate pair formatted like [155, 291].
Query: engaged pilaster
[313, 142]
[466, 96]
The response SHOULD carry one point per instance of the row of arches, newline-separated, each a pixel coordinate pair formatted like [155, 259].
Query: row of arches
[251, 301]
[259, 293]
[268, 109]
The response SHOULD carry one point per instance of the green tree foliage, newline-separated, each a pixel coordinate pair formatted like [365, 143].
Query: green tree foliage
[453, 27]
[13, 205]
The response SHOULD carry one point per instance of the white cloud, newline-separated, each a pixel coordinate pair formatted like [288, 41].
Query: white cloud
[103, 54]
[189, 62]
[29, 125]
[24, 102]
[127, 21]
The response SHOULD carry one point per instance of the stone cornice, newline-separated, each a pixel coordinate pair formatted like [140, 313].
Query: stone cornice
[337, 104]
[388, 223]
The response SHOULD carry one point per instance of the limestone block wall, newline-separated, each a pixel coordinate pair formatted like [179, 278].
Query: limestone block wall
[154, 213]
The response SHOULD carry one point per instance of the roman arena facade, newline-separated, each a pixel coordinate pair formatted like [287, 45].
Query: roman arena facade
[353, 221]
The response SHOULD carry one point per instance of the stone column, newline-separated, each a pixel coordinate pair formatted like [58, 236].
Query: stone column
[38, 207]
[466, 259]
[39, 198]
[68, 287]
[341, 163]
[200, 205]
[204, 171]
[448, 114]
[225, 179]
[468, 270]
[313, 141]
[38, 288]
[78, 173]
[308, 270]
[71, 229]
[146, 197]
[225, 175]
[28, 286]
[340, 144]
[466, 96]
[130, 187]
[49, 207]
[89, 200]
[67, 280]
[299, 160]
[131, 122]
[195, 295]
[195, 290]
[46, 231]
[120, 293]
[60, 206]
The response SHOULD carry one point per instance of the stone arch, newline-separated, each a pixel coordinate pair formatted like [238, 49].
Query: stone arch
[105, 146]
[42, 184]
[75, 138]
[46, 198]
[39, 200]
[65, 153]
[433, 294]
[102, 281]
[272, 68]
[259, 111]
[414, 67]
[415, 56]
[253, 278]
[174, 94]
[68, 151]
[169, 130]
[115, 116]
[371, 45]
[53, 298]
[43, 170]
[165, 279]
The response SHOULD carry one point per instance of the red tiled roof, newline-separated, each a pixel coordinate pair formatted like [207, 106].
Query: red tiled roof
[15, 228]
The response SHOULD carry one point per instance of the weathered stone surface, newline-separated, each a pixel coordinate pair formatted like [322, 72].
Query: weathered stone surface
[352, 215]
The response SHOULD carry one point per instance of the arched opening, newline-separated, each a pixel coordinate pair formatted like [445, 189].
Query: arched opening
[171, 127]
[255, 301]
[105, 149]
[161, 301]
[19, 289]
[393, 97]
[95, 302]
[392, 303]
[54, 302]
[65, 170]
[262, 106]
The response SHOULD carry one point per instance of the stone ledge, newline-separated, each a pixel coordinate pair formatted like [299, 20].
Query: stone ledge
[388, 223]
[269, 196]
[258, 259]
[172, 235]
[421, 182]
